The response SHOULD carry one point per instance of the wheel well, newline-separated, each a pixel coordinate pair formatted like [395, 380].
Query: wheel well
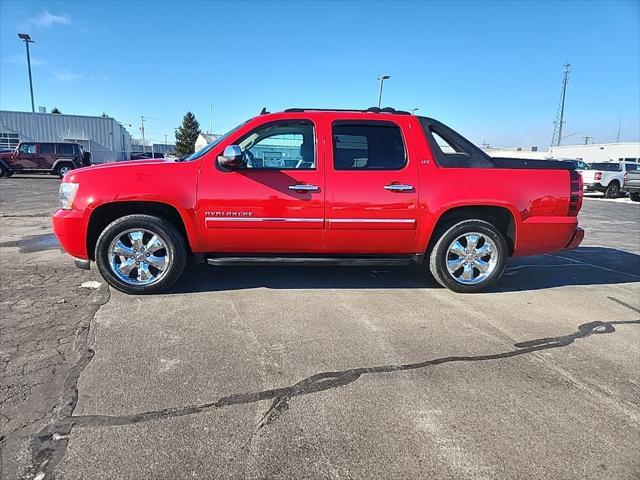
[105, 214]
[499, 217]
[614, 181]
[60, 163]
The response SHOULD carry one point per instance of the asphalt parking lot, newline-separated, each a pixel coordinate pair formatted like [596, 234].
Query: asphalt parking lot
[319, 372]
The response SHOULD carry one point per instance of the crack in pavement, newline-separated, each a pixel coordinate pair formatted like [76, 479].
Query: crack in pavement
[49, 445]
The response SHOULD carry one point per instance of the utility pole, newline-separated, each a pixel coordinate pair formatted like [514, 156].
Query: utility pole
[382, 79]
[165, 140]
[27, 40]
[619, 126]
[142, 130]
[586, 139]
[557, 130]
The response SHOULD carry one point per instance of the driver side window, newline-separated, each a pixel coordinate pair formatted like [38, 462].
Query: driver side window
[28, 148]
[280, 146]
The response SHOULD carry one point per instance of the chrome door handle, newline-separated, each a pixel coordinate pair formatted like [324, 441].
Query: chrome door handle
[398, 187]
[303, 187]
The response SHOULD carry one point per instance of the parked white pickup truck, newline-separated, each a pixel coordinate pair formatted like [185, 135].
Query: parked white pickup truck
[632, 184]
[607, 177]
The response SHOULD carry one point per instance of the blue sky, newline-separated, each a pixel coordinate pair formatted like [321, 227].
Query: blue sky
[492, 70]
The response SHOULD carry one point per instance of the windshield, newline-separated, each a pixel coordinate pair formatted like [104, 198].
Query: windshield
[201, 152]
[607, 167]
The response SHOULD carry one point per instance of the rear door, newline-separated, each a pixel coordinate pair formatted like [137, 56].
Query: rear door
[276, 202]
[46, 155]
[371, 190]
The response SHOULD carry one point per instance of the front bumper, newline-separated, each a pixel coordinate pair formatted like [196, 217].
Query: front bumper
[70, 230]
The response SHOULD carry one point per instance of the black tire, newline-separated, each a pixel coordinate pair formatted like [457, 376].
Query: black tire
[3, 170]
[439, 255]
[175, 242]
[635, 196]
[613, 190]
[63, 168]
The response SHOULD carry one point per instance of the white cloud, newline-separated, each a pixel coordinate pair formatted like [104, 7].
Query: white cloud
[22, 60]
[46, 19]
[66, 76]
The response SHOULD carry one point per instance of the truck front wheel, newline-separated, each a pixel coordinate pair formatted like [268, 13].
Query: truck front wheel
[141, 254]
[469, 257]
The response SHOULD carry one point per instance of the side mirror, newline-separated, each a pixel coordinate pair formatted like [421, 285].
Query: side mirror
[231, 157]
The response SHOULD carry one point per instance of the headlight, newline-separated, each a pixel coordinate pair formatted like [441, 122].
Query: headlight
[67, 193]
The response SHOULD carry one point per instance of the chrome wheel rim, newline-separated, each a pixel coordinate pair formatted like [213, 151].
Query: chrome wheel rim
[472, 258]
[64, 170]
[139, 257]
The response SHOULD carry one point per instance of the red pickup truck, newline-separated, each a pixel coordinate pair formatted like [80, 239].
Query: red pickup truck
[348, 187]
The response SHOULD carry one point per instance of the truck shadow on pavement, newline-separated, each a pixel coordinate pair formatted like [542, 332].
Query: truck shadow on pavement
[583, 266]
[49, 445]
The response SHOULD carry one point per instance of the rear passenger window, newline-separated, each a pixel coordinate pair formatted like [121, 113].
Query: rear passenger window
[46, 148]
[368, 146]
[65, 149]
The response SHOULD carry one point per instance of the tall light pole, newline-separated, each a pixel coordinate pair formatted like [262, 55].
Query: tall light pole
[27, 40]
[414, 110]
[382, 79]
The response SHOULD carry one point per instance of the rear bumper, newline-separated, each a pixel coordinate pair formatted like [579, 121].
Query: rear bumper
[593, 187]
[69, 228]
[542, 234]
[576, 240]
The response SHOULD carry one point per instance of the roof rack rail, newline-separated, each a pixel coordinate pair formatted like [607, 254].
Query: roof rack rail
[368, 110]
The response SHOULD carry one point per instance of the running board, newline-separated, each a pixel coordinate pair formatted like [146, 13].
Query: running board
[380, 261]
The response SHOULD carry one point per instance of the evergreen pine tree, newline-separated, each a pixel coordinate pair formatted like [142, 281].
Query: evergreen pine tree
[187, 134]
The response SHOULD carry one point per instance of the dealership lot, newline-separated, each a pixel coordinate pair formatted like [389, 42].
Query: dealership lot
[320, 372]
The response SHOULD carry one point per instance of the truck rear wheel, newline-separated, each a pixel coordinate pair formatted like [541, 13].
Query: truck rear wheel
[469, 257]
[3, 170]
[141, 254]
[635, 196]
[613, 190]
[63, 169]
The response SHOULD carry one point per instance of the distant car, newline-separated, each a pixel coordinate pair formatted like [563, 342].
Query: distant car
[632, 181]
[145, 155]
[43, 157]
[607, 177]
[577, 164]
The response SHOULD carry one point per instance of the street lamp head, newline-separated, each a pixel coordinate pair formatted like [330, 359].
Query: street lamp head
[25, 37]
[384, 77]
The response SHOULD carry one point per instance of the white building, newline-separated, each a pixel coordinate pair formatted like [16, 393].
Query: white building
[531, 153]
[593, 152]
[599, 152]
[104, 137]
[205, 139]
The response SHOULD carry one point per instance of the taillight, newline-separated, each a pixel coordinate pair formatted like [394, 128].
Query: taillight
[575, 192]
[598, 176]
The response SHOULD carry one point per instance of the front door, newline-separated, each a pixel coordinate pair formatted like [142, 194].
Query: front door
[275, 202]
[372, 188]
[26, 158]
